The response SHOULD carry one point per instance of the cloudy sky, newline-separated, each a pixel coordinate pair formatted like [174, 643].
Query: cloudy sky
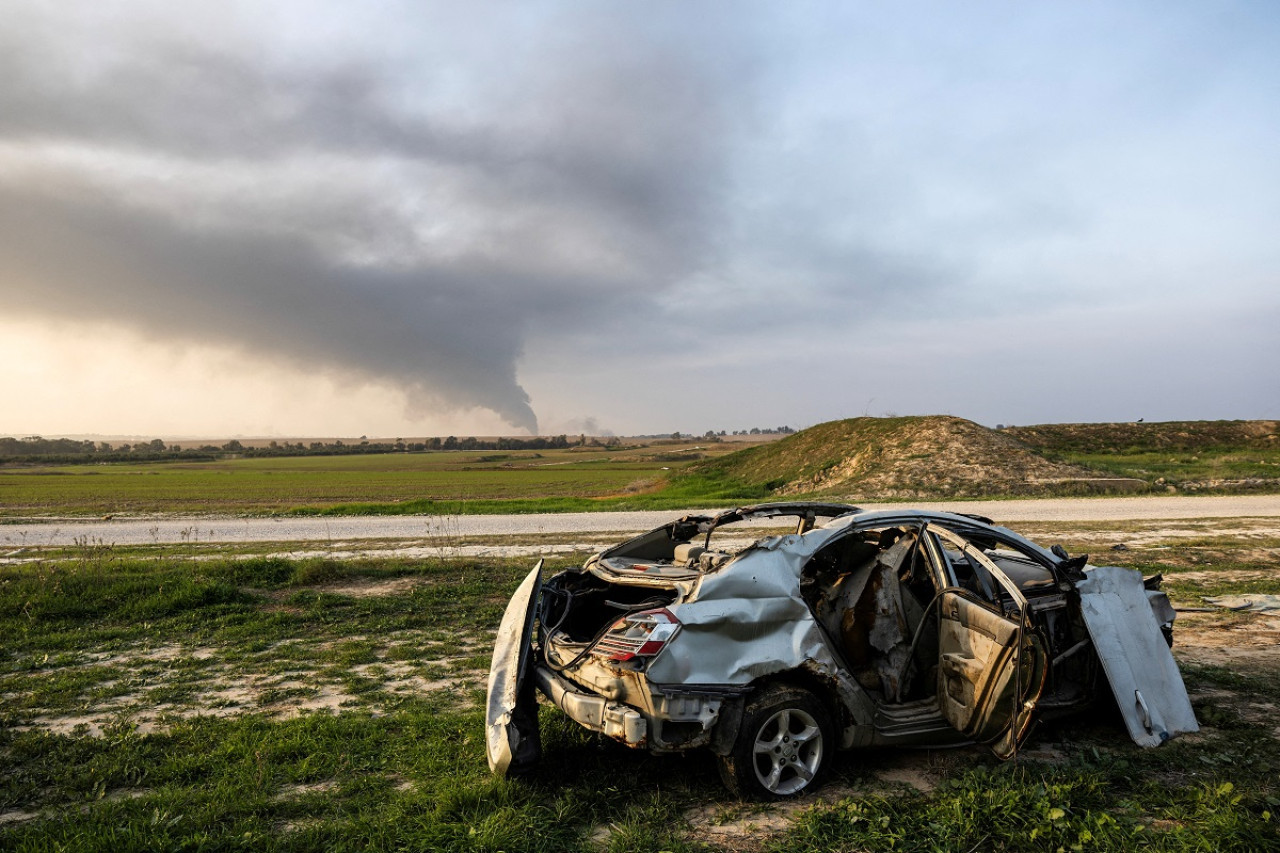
[409, 218]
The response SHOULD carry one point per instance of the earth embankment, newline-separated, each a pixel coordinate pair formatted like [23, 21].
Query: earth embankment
[926, 457]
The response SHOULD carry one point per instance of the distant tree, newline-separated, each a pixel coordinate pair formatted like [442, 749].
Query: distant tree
[233, 446]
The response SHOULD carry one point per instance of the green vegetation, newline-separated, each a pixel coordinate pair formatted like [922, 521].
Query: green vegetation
[807, 454]
[865, 458]
[60, 451]
[445, 482]
[1093, 802]
[152, 705]
[1191, 456]
[946, 457]
[1170, 436]
[185, 701]
[906, 458]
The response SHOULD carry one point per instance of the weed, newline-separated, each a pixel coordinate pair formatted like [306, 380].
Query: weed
[184, 703]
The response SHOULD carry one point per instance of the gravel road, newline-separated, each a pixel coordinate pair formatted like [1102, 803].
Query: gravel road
[18, 533]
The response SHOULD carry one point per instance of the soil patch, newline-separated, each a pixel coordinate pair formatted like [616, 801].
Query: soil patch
[1244, 641]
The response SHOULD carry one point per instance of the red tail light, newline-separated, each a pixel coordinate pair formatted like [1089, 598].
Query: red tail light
[638, 635]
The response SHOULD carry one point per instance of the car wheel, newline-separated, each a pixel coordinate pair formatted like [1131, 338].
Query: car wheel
[783, 745]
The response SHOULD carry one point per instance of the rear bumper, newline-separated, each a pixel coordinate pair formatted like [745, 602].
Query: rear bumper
[595, 712]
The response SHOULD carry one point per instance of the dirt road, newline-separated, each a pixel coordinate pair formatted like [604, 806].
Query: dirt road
[458, 528]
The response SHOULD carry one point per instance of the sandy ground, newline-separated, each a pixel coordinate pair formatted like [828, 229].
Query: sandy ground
[20, 533]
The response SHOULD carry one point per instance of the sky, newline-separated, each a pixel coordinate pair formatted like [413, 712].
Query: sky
[432, 218]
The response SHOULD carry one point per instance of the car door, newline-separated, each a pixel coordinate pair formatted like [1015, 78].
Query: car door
[991, 667]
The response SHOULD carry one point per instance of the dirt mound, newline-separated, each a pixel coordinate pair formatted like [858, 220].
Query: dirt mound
[1183, 436]
[911, 457]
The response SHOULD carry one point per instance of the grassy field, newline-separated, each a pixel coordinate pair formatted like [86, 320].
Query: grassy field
[440, 482]
[1193, 456]
[172, 700]
[1193, 471]
[859, 459]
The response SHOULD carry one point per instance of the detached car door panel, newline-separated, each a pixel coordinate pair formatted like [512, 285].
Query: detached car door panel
[1139, 665]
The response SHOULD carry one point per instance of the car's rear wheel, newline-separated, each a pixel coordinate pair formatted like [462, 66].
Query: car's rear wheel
[783, 746]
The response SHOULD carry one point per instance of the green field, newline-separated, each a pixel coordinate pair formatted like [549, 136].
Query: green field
[1199, 471]
[451, 481]
[860, 459]
[1195, 456]
[180, 703]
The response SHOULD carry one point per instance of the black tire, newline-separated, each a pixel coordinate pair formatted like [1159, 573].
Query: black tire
[783, 747]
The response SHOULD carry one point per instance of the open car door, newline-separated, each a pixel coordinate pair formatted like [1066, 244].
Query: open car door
[991, 668]
[512, 739]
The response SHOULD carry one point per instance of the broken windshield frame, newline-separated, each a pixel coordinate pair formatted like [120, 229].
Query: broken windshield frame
[808, 512]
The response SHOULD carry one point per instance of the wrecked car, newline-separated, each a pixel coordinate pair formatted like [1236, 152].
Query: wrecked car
[844, 629]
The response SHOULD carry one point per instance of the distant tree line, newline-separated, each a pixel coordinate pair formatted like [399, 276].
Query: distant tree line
[782, 430]
[35, 449]
[713, 435]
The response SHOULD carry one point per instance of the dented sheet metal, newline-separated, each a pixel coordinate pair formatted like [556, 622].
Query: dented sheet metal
[680, 639]
[1143, 674]
[748, 624]
[511, 738]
